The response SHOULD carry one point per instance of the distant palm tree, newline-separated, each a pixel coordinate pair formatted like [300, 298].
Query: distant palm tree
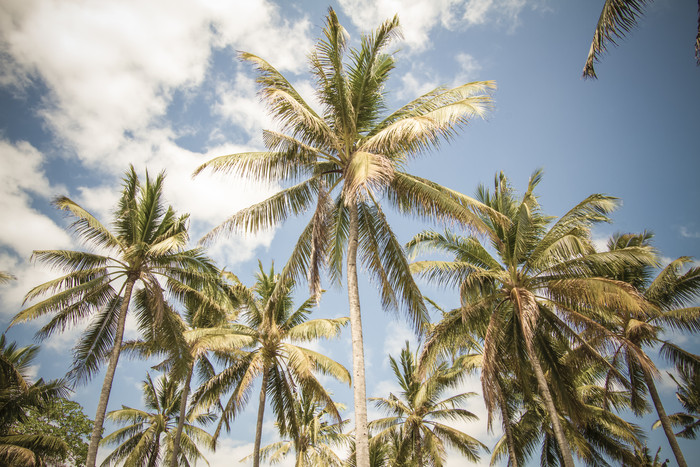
[17, 395]
[419, 416]
[342, 162]
[669, 293]
[595, 432]
[688, 395]
[617, 18]
[543, 273]
[268, 350]
[314, 437]
[146, 248]
[148, 437]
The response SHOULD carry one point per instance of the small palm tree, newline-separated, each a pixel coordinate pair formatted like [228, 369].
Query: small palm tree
[617, 18]
[688, 395]
[268, 350]
[541, 275]
[340, 164]
[314, 438]
[418, 414]
[147, 248]
[17, 395]
[148, 435]
[668, 293]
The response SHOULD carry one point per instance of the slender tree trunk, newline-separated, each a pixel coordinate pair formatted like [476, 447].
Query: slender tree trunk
[507, 428]
[183, 415]
[419, 447]
[358, 353]
[109, 376]
[153, 460]
[564, 447]
[259, 425]
[665, 422]
[528, 310]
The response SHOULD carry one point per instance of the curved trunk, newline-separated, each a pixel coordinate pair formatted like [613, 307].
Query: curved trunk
[259, 424]
[109, 376]
[183, 415]
[528, 310]
[665, 422]
[507, 429]
[564, 447]
[358, 355]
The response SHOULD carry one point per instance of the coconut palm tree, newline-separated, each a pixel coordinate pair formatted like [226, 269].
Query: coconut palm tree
[418, 414]
[688, 395]
[341, 162]
[18, 394]
[185, 341]
[147, 248]
[314, 438]
[595, 432]
[617, 18]
[542, 273]
[272, 327]
[148, 435]
[669, 294]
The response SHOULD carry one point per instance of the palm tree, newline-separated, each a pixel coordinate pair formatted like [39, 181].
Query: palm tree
[541, 275]
[186, 341]
[668, 293]
[688, 395]
[594, 431]
[418, 413]
[272, 326]
[313, 439]
[341, 162]
[148, 434]
[146, 248]
[17, 395]
[617, 18]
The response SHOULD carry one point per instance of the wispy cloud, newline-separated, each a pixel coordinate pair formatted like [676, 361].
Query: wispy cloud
[686, 232]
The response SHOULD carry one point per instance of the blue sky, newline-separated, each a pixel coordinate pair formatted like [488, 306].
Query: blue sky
[87, 88]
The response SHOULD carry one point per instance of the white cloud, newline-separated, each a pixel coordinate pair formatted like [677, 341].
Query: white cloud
[419, 17]
[469, 69]
[421, 80]
[397, 333]
[111, 67]
[686, 232]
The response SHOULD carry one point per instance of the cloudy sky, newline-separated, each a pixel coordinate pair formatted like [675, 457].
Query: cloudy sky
[89, 87]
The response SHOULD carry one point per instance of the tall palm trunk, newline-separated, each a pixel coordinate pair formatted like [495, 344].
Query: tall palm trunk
[419, 448]
[358, 355]
[564, 447]
[259, 424]
[153, 460]
[109, 376]
[183, 415]
[527, 310]
[665, 422]
[507, 428]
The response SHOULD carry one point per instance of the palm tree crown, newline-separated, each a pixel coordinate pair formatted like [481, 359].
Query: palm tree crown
[267, 348]
[418, 415]
[339, 163]
[544, 276]
[147, 247]
[148, 435]
[18, 394]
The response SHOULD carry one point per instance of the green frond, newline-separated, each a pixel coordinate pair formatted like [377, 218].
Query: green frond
[317, 329]
[617, 18]
[269, 213]
[86, 226]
